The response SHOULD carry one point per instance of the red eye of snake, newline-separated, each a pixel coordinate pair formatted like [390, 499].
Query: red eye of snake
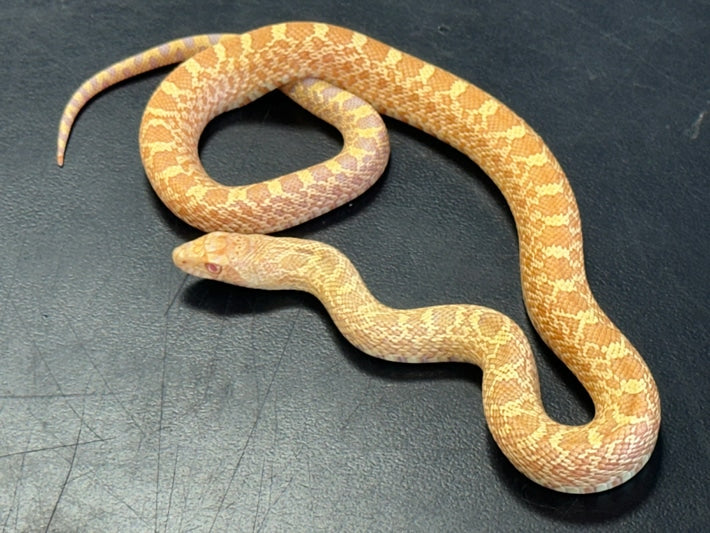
[212, 268]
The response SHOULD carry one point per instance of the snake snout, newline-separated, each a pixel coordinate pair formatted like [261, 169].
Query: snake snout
[187, 256]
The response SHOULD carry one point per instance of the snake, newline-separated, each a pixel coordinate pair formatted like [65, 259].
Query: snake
[225, 71]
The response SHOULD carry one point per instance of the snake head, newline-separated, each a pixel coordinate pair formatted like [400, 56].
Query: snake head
[217, 256]
[255, 261]
[246, 260]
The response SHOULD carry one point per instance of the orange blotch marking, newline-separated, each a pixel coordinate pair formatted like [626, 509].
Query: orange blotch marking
[472, 97]
[376, 50]
[163, 100]
[339, 36]
[576, 442]
[559, 266]
[181, 78]
[260, 38]
[157, 133]
[258, 193]
[165, 159]
[490, 324]
[554, 235]
[296, 32]
[208, 58]
[551, 205]
[291, 183]
[441, 80]
[180, 184]
[217, 196]
[575, 302]
[502, 120]
[410, 65]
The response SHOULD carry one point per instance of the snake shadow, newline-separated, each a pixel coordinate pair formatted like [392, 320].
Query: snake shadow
[224, 300]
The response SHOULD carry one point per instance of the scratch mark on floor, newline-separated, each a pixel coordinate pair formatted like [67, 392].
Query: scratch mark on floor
[286, 344]
[309, 485]
[106, 486]
[177, 293]
[57, 447]
[15, 505]
[640, 54]
[42, 358]
[257, 419]
[359, 404]
[272, 503]
[160, 422]
[234, 473]
[694, 130]
[85, 351]
[55, 396]
[69, 470]
[172, 489]
[259, 494]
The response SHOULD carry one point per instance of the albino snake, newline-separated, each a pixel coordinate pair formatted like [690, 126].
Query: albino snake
[238, 69]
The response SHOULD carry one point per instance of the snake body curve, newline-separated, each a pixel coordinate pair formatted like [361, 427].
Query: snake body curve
[593, 457]
[290, 199]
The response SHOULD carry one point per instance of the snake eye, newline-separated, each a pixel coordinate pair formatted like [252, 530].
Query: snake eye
[212, 268]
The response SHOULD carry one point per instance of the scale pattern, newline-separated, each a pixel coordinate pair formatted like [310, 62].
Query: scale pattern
[238, 69]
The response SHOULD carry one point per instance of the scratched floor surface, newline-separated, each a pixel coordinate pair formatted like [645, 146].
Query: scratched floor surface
[133, 398]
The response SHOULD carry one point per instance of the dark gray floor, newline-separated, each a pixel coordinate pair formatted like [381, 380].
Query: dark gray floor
[132, 398]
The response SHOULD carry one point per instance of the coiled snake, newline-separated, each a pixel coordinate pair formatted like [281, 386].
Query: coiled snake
[227, 71]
